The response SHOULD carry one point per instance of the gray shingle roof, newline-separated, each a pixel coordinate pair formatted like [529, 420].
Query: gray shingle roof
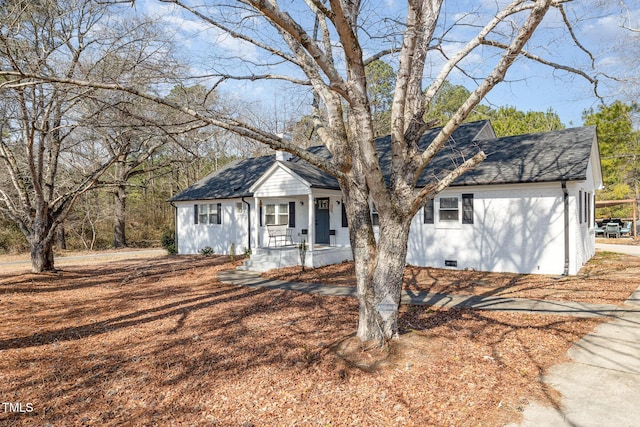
[232, 181]
[541, 157]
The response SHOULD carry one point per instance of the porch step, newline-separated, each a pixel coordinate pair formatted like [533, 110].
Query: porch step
[267, 259]
[264, 259]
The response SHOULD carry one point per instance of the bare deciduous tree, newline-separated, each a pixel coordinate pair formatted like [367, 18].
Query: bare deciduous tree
[49, 146]
[326, 46]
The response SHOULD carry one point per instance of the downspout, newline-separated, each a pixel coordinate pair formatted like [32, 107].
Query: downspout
[175, 225]
[248, 222]
[565, 199]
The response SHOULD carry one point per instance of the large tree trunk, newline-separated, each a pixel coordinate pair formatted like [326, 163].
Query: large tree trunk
[41, 245]
[119, 213]
[379, 267]
[41, 256]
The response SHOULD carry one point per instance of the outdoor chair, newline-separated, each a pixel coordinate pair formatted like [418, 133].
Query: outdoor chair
[612, 228]
[279, 234]
[599, 230]
[626, 229]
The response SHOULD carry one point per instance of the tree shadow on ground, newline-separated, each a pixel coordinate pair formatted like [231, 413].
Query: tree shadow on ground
[183, 347]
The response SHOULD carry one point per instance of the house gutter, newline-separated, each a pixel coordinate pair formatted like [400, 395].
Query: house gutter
[248, 222]
[565, 199]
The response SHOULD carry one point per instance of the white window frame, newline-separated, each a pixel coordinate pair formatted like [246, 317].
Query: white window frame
[208, 214]
[280, 212]
[438, 209]
[455, 209]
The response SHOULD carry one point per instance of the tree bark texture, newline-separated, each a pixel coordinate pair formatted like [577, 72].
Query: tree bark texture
[119, 217]
[61, 240]
[41, 243]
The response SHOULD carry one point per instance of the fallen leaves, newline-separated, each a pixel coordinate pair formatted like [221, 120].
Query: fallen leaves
[606, 279]
[162, 342]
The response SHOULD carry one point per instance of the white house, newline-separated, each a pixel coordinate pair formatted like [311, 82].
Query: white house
[528, 208]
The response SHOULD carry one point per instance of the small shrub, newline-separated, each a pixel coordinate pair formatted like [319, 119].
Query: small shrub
[169, 241]
[207, 250]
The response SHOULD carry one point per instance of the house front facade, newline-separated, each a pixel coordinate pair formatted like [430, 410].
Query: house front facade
[528, 208]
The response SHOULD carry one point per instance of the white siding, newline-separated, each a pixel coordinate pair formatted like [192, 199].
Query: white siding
[193, 237]
[281, 184]
[582, 232]
[517, 228]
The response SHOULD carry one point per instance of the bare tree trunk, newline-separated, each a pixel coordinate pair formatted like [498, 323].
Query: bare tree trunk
[379, 267]
[41, 246]
[119, 213]
[120, 202]
[61, 240]
[41, 257]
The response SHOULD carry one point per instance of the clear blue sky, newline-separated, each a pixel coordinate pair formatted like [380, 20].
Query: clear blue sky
[528, 86]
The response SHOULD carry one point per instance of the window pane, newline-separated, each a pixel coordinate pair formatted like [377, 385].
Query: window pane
[449, 203]
[203, 214]
[270, 219]
[448, 215]
[271, 209]
[283, 209]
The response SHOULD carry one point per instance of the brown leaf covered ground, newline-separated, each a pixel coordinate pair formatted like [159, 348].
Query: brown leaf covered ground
[161, 342]
[607, 279]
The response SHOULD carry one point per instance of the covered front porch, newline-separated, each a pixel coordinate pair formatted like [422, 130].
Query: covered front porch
[291, 211]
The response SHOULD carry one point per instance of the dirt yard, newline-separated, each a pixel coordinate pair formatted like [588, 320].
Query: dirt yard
[160, 341]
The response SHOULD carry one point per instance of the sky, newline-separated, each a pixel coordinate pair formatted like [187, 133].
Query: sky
[529, 86]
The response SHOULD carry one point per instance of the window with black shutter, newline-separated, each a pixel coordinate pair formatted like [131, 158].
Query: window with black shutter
[428, 212]
[580, 206]
[292, 214]
[586, 210]
[344, 216]
[467, 208]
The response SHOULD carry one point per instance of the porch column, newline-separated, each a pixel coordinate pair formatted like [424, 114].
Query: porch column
[312, 223]
[256, 221]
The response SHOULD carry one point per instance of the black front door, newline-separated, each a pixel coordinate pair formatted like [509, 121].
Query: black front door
[322, 221]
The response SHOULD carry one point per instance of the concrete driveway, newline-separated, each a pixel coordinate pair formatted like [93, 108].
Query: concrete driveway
[621, 249]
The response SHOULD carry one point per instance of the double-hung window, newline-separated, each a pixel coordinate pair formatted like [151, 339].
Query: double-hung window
[276, 214]
[449, 211]
[210, 213]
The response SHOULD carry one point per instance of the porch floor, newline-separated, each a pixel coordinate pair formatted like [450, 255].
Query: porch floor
[268, 258]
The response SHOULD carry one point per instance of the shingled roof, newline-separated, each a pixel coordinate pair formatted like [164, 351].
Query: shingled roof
[540, 157]
[561, 155]
[230, 182]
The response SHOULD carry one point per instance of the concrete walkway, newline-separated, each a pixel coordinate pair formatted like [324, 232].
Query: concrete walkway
[253, 279]
[600, 386]
[621, 249]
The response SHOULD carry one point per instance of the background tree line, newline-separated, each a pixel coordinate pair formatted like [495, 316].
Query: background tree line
[92, 169]
[156, 154]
